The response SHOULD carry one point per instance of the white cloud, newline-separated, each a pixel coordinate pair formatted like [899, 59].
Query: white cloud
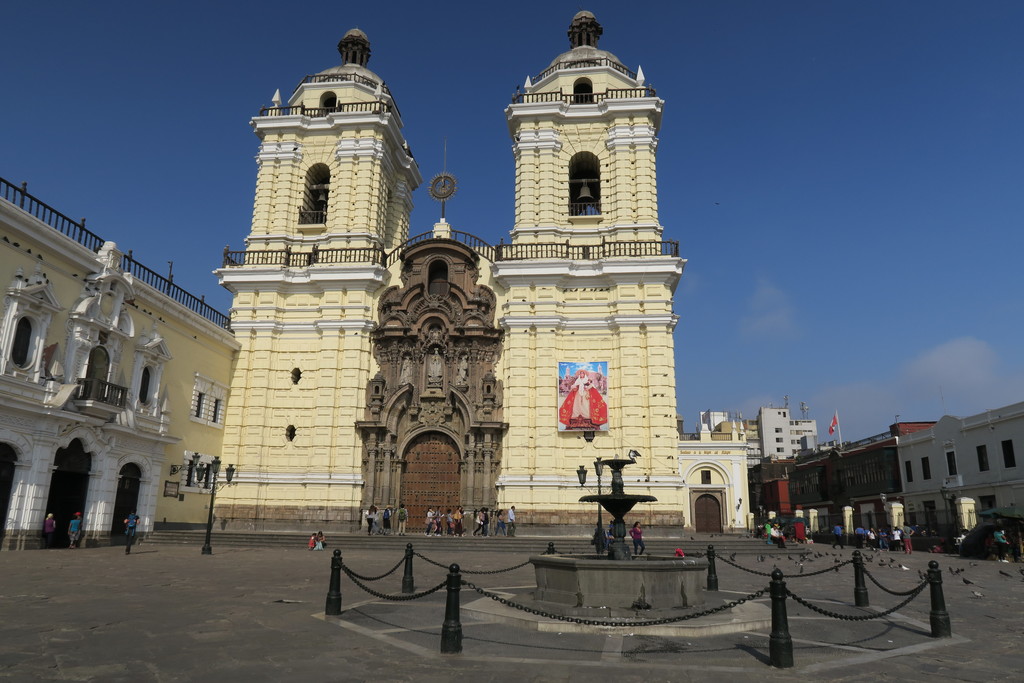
[769, 314]
[962, 376]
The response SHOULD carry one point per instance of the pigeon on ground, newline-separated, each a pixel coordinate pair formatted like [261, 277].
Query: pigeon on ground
[732, 558]
[921, 575]
[977, 594]
[966, 581]
[1004, 573]
[906, 569]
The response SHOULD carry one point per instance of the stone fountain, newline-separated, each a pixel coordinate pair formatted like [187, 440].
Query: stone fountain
[619, 584]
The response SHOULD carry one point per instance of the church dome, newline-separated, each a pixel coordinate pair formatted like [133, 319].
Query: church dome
[584, 32]
[354, 48]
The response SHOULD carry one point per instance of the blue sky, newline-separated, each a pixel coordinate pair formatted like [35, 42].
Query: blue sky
[843, 177]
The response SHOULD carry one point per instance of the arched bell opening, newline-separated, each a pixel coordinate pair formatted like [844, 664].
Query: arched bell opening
[584, 185]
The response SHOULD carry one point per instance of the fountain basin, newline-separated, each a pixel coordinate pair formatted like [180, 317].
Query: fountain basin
[592, 581]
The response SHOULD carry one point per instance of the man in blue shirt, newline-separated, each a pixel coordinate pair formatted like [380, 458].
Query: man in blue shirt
[837, 536]
[130, 524]
[75, 530]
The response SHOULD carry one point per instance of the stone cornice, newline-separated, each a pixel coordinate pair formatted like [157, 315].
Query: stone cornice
[607, 272]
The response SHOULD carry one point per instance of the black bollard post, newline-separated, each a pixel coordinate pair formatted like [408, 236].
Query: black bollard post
[451, 630]
[860, 591]
[551, 549]
[333, 607]
[780, 644]
[408, 584]
[938, 616]
[712, 572]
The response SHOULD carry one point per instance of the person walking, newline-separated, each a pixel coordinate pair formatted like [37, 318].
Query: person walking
[371, 519]
[999, 538]
[837, 536]
[131, 524]
[637, 534]
[403, 516]
[75, 531]
[908, 545]
[460, 530]
[49, 528]
[501, 529]
[387, 520]
[430, 521]
[512, 521]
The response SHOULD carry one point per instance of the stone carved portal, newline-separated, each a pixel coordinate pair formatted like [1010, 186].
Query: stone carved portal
[433, 420]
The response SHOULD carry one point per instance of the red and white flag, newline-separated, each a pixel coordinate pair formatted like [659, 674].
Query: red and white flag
[834, 425]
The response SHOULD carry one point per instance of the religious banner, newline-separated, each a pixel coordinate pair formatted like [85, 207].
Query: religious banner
[582, 397]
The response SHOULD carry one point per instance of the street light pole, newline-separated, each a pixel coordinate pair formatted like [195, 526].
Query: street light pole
[229, 475]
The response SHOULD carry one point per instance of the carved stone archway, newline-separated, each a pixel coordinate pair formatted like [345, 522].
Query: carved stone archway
[436, 345]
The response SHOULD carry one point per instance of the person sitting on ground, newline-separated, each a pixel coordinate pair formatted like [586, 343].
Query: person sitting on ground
[320, 540]
[312, 541]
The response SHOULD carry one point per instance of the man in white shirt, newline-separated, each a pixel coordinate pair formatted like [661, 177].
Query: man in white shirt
[512, 521]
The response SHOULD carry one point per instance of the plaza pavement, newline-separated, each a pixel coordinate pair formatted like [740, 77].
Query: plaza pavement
[168, 613]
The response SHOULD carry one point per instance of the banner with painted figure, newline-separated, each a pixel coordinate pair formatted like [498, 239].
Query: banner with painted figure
[582, 397]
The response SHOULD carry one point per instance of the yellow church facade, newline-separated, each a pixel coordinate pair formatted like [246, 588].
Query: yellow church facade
[364, 365]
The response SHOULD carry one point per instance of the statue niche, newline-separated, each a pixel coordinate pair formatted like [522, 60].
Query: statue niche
[436, 345]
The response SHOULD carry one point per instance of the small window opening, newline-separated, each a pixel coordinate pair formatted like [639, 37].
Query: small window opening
[22, 343]
[289, 432]
[583, 91]
[705, 476]
[437, 278]
[296, 375]
[144, 385]
[329, 101]
[200, 405]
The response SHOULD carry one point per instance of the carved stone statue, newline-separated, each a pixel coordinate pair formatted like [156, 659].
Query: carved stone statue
[435, 369]
[406, 375]
[463, 373]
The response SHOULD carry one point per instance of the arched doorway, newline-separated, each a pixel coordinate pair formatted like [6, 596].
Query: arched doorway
[431, 476]
[7, 459]
[68, 488]
[707, 515]
[126, 501]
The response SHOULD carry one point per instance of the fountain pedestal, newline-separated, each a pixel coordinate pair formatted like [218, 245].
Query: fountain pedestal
[648, 582]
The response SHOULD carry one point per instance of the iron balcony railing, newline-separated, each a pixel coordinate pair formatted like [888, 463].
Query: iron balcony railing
[583, 98]
[307, 217]
[584, 208]
[286, 258]
[76, 230]
[92, 389]
[584, 64]
[343, 78]
[375, 107]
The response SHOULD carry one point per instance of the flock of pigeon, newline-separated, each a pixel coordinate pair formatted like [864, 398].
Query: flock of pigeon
[891, 563]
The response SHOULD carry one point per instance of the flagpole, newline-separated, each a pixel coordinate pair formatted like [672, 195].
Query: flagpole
[839, 428]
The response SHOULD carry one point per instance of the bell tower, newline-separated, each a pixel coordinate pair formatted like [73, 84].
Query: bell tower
[584, 137]
[333, 196]
[334, 169]
[588, 284]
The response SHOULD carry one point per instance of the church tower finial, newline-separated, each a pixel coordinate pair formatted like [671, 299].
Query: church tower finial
[584, 30]
[354, 48]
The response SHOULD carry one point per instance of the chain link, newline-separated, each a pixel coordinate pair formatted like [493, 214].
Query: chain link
[385, 596]
[890, 592]
[375, 578]
[470, 571]
[850, 617]
[595, 622]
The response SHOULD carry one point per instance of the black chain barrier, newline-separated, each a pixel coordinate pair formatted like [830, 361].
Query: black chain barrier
[595, 622]
[862, 617]
[891, 592]
[833, 568]
[470, 571]
[376, 578]
[385, 596]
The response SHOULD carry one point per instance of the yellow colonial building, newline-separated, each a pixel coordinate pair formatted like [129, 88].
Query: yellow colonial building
[366, 365]
[109, 375]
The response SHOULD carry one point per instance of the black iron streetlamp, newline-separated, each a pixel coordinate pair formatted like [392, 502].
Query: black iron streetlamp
[950, 499]
[229, 474]
[581, 473]
[885, 518]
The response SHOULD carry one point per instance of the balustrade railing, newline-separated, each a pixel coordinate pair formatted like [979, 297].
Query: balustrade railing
[584, 64]
[307, 217]
[375, 107]
[92, 389]
[75, 230]
[584, 252]
[287, 258]
[584, 208]
[583, 98]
